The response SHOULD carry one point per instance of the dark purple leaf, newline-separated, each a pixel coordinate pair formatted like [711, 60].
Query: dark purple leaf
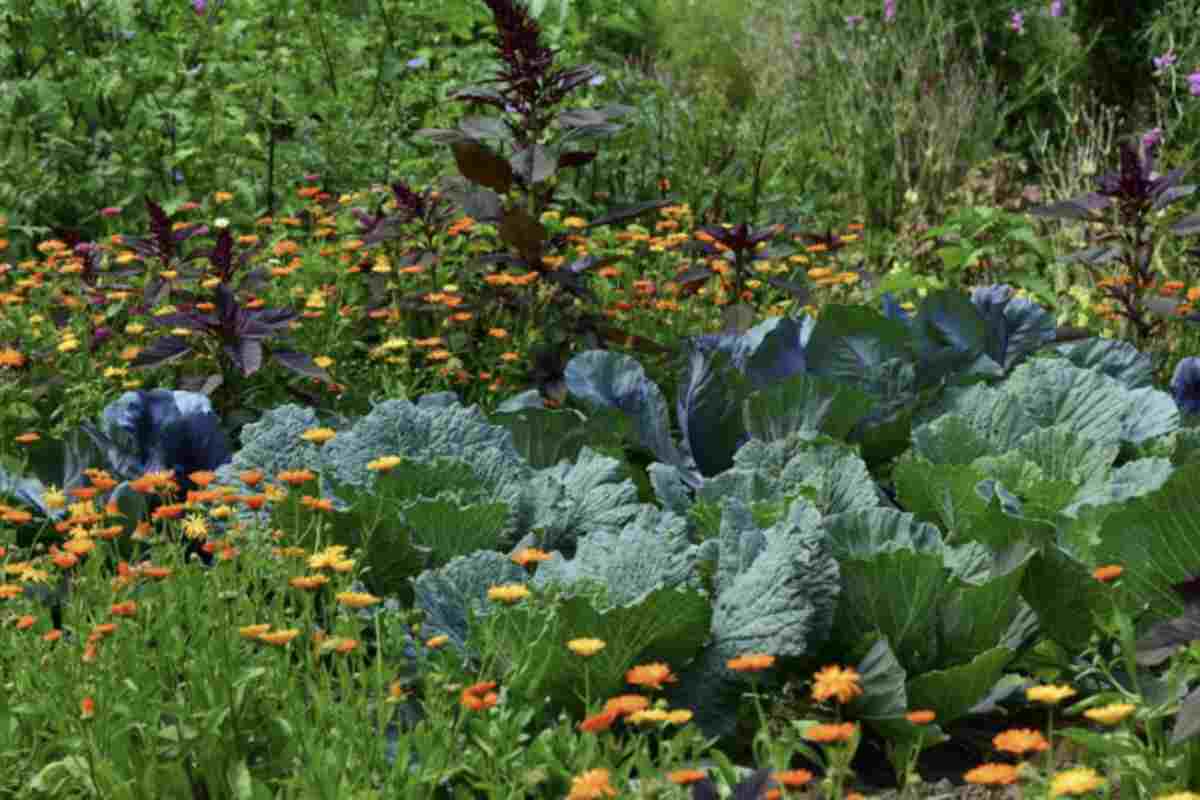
[300, 363]
[576, 158]
[480, 94]
[480, 165]
[246, 355]
[183, 319]
[797, 290]
[1066, 209]
[628, 212]
[524, 234]
[221, 255]
[162, 350]
[697, 275]
[160, 226]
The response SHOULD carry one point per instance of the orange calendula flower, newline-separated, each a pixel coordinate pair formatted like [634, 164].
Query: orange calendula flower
[921, 716]
[1020, 741]
[126, 609]
[992, 775]
[752, 662]
[10, 590]
[1108, 574]
[338, 644]
[1050, 695]
[479, 696]
[52, 635]
[279, 638]
[202, 478]
[652, 676]
[792, 778]
[25, 622]
[87, 708]
[683, 777]
[529, 555]
[27, 438]
[435, 642]
[358, 599]
[251, 477]
[591, 785]
[317, 503]
[308, 583]
[836, 682]
[296, 477]
[830, 733]
[599, 722]
[627, 704]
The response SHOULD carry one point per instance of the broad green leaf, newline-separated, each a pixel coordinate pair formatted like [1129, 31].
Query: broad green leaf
[951, 692]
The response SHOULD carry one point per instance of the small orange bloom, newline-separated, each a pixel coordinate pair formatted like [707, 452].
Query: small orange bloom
[1020, 741]
[627, 704]
[87, 708]
[479, 696]
[1108, 574]
[251, 477]
[792, 778]
[830, 733]
[921, 716]
[650, 675]
[126, 609]
[599, 722]
[26, 622]
[296, 477]
[682, 777]
[836, 682]
[992, 774]
[529, 555]
[753, 662]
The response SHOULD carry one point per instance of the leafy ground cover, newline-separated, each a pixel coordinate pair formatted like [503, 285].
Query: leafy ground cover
[493, 488]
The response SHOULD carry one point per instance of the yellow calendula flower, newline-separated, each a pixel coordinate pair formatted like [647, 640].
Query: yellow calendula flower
[1080, 780]
[318, 435]
[54, 498]
[1050, 695]
[586, 647]
[384, 463]
[195, 527]
[508, 593]
[253, 631]
[1110, 714]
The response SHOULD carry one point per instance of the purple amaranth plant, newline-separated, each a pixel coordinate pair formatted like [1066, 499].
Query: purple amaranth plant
[889, 10]
[512, 182]
[1126, 202]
